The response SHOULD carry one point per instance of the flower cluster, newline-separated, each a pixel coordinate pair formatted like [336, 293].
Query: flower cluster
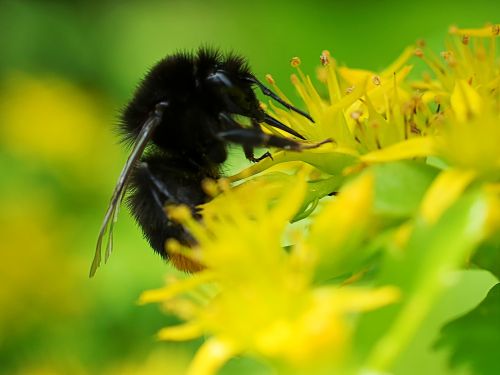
[414, 168]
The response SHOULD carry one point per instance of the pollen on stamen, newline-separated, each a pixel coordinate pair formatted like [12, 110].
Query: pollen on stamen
[294, 79]
[270, 79]
[325, 58]
[495, 30]
[419, 53]
[465, 39]
[295, 62]
[420, 43]
[449, 57]
[356, 115]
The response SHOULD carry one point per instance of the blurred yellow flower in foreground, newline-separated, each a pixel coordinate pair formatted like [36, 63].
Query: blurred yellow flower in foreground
[261, 300]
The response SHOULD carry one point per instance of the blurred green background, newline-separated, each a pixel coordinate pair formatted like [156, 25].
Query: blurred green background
[66, 68]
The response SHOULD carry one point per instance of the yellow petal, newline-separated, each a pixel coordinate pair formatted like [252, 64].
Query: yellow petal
[490, 30]
[356, 299]
[346, 212]
[350, 215]
[411, 148]
[181, 332]
[465, 101]
[326, 158]
[493, 196]
[178, 287]
[290, 201]
[212, 355]
[407, 53]
[445, 190]
[355, 76]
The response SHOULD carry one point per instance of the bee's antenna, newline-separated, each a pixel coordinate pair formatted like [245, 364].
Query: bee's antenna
[141, 142]
[267, 91]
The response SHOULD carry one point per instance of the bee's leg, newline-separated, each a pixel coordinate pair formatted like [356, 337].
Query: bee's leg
[267, 91]
[157, 187]
[248, 150]
[254, 138]
[269, 120]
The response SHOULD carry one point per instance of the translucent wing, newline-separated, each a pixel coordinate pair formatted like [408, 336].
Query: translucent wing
[142, 140]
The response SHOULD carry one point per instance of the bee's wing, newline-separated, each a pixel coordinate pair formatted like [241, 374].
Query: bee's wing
[112, 213]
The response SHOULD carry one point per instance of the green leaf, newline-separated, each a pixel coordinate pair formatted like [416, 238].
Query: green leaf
[488, 256]
[400, 187]
[315, 191]
[422, 270]
[474, 339]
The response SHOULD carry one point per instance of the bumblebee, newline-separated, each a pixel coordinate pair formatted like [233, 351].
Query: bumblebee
[179, 123]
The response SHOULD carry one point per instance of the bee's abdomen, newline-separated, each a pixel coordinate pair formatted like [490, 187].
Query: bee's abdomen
[154, 185]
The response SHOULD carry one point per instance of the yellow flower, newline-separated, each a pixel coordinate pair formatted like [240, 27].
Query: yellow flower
[471, 133]
[257, 299]
[254, 297]
[467, 91]
[382, 117]
[364, 111]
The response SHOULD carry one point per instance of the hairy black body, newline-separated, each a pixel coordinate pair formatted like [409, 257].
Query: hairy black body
[179, 122]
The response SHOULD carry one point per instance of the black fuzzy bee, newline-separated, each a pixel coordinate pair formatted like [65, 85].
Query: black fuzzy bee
[179, 123]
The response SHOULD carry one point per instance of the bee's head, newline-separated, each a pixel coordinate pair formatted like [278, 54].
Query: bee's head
[234, 92]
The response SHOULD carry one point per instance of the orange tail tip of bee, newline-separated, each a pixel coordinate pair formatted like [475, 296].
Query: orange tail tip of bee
[184, 263]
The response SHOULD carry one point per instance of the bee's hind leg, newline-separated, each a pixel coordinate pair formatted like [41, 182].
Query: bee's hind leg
[253, 138]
